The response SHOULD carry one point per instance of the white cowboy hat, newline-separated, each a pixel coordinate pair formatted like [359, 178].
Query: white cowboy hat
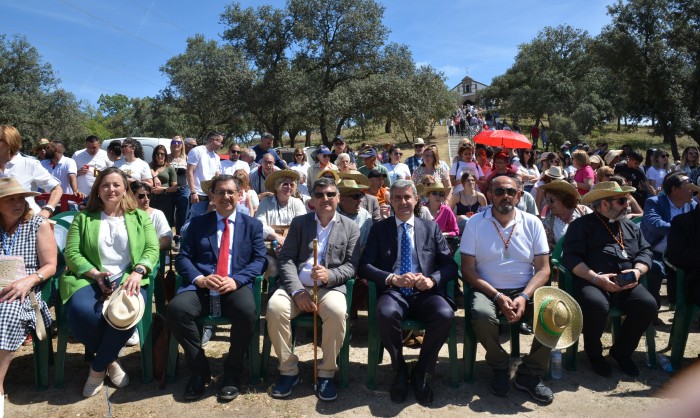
[122, 311]
[606, 189]
[555, 172]
[558, 319]
[561, 186]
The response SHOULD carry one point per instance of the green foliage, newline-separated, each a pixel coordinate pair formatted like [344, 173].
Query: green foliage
[561, 129]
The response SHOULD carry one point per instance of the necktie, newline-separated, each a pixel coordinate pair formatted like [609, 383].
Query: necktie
[405, 257]
[222, 262]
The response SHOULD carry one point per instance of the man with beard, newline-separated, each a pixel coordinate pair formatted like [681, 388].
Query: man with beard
[61, 167]
[599, 248]
[505, 258]
[89, 160]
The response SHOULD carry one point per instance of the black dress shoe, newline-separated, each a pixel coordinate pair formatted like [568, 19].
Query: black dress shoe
[195, 387]
[228, 390]
[421, 387]
[399, 389]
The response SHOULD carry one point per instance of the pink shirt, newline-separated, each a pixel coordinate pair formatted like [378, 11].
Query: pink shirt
[581, 175]
[447, 221]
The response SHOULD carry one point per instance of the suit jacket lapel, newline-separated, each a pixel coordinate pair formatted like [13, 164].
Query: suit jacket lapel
[419, 231]
[212, 234]
[238, 234]
[393, 241]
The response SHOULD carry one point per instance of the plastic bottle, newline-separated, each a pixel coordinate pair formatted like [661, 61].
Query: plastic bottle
[555, 364]
[664, 363]
[214, 304]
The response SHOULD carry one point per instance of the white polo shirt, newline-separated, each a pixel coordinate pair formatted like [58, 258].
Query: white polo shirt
[230, 167]
[62, 171]
[99, 161]
[207, 164]
[502, 270]
[137, 169]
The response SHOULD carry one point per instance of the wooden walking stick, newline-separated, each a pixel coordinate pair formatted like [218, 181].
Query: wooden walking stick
[315, 299]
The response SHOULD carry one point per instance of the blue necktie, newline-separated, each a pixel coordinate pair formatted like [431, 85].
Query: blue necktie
[405, 258]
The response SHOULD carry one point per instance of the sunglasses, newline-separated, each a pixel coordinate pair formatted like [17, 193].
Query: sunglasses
[419, 146]
[440, 194]
[664, 156]
[356, 196]
[160, 154]
[321, 195]
[222, 193]
[500, 191]
[234, 152]
[619, 200]
[142, 196]
[125, 146]
[398, 153]
[298, 155]
[175, 142]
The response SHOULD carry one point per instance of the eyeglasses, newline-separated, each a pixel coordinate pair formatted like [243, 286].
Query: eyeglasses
[500, 191]
[419, 146]
[619, 200]
[190, 145]
[556, 162]
[160, 154]
[356, 196]
[125, 146]
[175, 142]
[141, 196]
[440, 194]
[324, 155]
[298, 155]
[233, 151]
[321, 195]
[287, 184]
[692, 153]
[222, 193]
[663, 156]
[398, 154]
[427, 155]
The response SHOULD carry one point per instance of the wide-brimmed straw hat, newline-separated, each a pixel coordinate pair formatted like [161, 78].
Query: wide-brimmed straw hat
[426, 189]
[611, 155]
[544, 156]
[327, 171]
[555, 172]
[350, 186]
[278, 174]
[561, 186]
[122, 311]
[9, 186]
[355, 175]
[205, 185]
[606, 189]
[596, 159]
[558, 319]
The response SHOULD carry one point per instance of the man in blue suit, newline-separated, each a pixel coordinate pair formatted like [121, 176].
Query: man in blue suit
[410, 262]
[223, 252]
[676, 199]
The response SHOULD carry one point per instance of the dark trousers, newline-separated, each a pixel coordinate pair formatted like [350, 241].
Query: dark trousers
[181, 205]
[657, 273]
[431, 308]
[237, 306]
[637, 304]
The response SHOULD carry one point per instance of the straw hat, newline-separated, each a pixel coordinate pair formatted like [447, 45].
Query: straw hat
[555, 172]
[328, 171]
[350, 186]
[355, 175]
[558, 319]
[596, 159]
[604, 190]
[205, 185]
[611, 155]
[544, 156]
[9, 186]
[437, 186]
[278, 174]
[561, 186]
[122, 311]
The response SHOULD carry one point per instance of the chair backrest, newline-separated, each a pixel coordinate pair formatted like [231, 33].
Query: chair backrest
[637, 220]
[60, 229]
[557, 251]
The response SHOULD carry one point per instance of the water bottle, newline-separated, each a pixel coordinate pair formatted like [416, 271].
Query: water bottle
[664, 363]
[214, 304]
[555, 364]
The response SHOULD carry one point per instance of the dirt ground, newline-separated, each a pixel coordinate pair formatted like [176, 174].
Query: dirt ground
[580, 393]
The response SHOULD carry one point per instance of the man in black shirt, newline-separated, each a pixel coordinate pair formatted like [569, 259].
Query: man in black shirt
[597, 248]
[631, 172]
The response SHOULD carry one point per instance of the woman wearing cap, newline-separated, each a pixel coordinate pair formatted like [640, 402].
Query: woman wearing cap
[562, 199]
[584, 175]
[596, 162]
[110, 244]
[181, 198]
[658, 170]
[431, 166]
[165, 180]
[25, 235]
[441, 213]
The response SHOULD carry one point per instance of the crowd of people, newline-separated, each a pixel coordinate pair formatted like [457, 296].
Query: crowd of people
[374, 217]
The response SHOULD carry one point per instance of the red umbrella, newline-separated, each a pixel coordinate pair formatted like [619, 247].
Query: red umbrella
[502, 138]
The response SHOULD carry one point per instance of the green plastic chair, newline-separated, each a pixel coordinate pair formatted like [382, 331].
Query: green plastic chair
[145, 337]
[566, 283]
[682, 318]
[253, 348]
[374, 343]
[43, 349]
[306, 320]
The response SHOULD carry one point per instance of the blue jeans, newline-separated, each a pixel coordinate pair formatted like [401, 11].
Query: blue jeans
[88, 326]
[181, 204]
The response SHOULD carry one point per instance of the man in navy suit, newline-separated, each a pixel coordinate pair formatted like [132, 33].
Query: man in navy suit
[410, 262]
[656, 225]
[223, 252]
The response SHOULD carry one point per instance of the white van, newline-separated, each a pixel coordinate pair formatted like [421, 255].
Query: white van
[148, 144]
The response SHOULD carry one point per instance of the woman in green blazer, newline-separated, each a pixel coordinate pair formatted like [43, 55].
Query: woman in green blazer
[111, 243]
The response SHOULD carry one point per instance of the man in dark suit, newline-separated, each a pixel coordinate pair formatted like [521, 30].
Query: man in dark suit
[338, 255]
[223, 252]
[410, 262]
[656, 225]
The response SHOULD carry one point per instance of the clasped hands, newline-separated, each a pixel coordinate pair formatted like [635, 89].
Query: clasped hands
[512, 309]
[413, 280]
[303, 299]
[217, 283]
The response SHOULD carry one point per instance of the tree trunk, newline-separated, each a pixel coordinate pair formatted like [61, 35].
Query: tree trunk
[387, 127]
[293, 132]
[670, 138]
[307, 142]
[339, 126]
[619, 120]
[322, 127]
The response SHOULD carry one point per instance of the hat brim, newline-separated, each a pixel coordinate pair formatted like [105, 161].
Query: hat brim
[594, 195]
[358, 177]
[571, 333]
[561, 186]
[426, 190]
[277, 174]
[358, 188]
[142, 309]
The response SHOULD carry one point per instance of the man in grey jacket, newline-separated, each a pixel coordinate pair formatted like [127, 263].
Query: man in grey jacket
[338, 256]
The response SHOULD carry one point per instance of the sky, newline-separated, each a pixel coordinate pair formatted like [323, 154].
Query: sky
[106, 47]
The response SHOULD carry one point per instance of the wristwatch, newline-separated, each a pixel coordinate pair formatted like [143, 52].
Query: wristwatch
[140, 270]
[49, 208]
[40, 276]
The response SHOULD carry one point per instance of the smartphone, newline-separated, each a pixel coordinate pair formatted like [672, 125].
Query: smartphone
[623, 279]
